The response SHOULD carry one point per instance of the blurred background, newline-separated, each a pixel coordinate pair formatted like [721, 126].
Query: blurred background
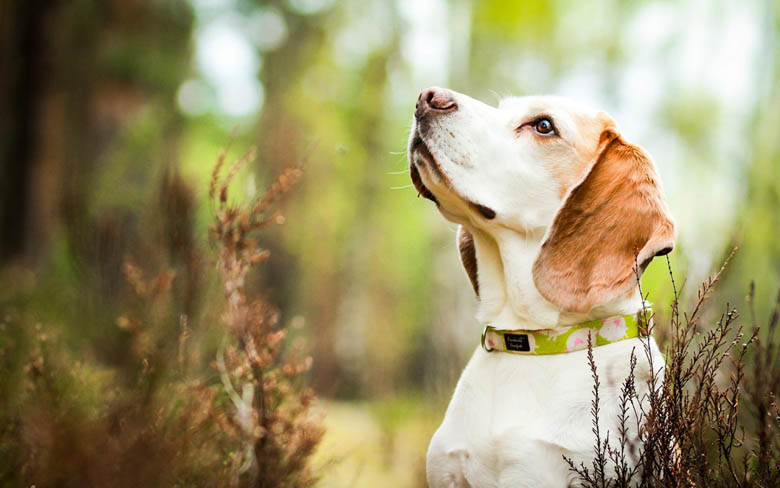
[113, 114]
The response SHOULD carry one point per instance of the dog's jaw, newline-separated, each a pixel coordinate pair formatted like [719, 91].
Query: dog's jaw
[423, 161]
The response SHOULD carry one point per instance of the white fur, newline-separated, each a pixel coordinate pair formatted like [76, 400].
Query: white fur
[513, 417]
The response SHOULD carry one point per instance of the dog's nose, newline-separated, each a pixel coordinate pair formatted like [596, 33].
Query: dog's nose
[435, 100]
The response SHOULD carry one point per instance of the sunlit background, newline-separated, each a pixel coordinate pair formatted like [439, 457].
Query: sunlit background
[102, 101]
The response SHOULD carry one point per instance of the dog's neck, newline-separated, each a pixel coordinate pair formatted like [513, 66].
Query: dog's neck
[508, 298]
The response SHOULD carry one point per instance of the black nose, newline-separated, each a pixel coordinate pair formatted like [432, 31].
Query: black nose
[435, 100]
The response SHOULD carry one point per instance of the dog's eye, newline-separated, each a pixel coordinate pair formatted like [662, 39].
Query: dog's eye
[544, 127]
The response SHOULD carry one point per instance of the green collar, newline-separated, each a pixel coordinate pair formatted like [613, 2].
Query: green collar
[566, 339]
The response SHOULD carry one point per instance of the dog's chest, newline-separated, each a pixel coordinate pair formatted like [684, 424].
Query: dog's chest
[513, 418]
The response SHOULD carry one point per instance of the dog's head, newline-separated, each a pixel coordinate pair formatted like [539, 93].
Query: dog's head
[545, 166]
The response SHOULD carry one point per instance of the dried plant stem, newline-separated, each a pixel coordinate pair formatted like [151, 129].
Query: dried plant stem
[272, 410]
[690, 424]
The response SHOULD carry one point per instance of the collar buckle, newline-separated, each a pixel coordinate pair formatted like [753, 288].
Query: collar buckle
[484, 336]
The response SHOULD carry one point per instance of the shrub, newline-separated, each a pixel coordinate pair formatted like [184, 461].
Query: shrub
[135, 404]
[710, 420]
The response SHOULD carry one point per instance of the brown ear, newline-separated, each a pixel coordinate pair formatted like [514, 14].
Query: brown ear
[615, 217]
[468, 256]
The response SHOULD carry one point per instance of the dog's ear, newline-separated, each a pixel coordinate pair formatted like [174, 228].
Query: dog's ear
[615, 217]
[468, 256]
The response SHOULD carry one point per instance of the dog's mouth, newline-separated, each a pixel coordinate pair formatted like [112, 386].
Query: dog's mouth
[421, 188]
[420, 154]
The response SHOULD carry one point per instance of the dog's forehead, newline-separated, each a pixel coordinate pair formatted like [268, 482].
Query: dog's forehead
[550, 104]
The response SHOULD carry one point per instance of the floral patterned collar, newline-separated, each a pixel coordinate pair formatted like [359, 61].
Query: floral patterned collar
[567, 339]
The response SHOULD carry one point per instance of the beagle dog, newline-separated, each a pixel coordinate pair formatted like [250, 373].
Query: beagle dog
[556, 211]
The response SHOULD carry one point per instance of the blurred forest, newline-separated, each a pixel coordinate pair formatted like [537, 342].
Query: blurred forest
[114, 113]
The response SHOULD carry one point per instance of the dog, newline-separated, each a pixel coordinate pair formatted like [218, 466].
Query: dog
[558, 216]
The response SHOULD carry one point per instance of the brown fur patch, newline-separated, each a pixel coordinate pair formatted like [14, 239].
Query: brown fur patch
[468, 256]
[615, 216]
[586, 145]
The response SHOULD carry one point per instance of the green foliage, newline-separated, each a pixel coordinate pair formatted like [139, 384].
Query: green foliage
[516, 21]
